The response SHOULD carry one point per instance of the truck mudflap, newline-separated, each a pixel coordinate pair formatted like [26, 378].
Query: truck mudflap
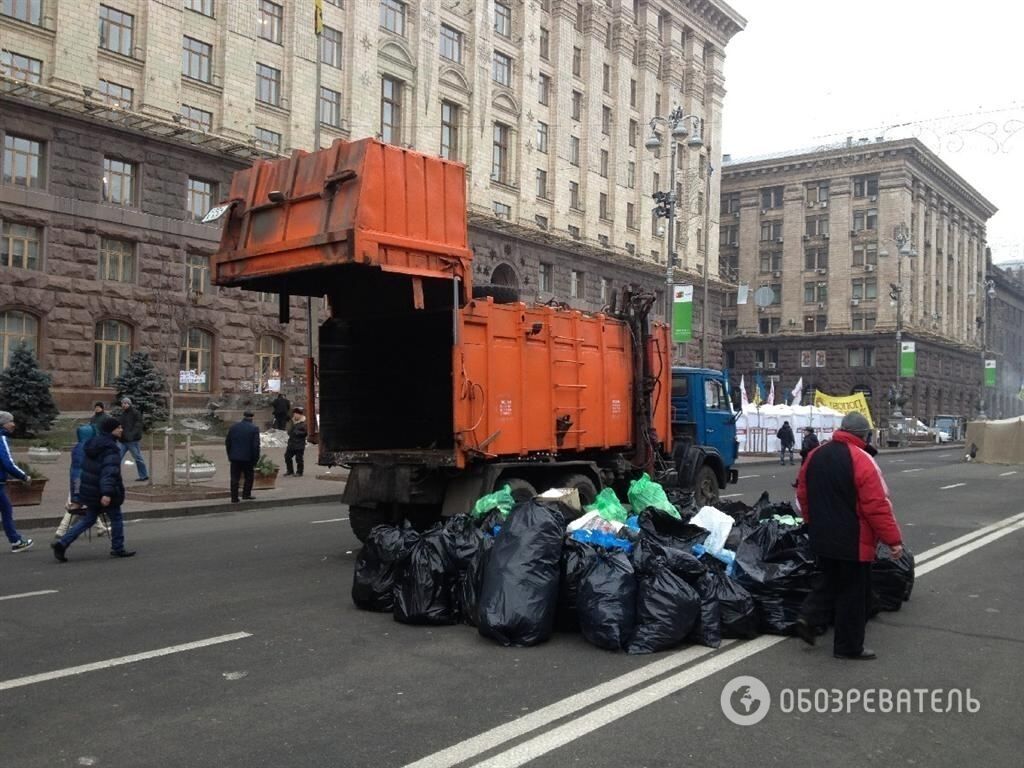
[734, 476]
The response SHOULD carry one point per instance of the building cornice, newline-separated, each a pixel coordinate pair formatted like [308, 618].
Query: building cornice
[716, 19]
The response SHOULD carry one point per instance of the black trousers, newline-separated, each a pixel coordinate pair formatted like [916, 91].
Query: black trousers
[290, 454]
[844, 591]
[238, 469]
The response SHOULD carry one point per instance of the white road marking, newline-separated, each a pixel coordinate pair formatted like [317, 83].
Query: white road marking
[332, 520]
[1007, 474]
[121, 660]
[729, 495]
[954, 485]
[746, 477]
[916, 469]
[945, 455]
[29, 594]
[629, 704]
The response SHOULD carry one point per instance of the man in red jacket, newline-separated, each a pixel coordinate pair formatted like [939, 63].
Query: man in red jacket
[846, 505]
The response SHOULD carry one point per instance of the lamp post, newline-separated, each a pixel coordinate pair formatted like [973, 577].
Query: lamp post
[676, 122]
[901, 237]
[990, 293]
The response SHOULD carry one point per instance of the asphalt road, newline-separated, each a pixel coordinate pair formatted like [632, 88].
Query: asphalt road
[296, 676]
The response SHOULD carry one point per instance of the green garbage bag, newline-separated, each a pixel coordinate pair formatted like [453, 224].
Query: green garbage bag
[644, 493]
[500, 499]
[608, 506]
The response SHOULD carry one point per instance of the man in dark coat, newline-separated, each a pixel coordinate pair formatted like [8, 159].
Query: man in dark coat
[131, 422]
[845, 502]
[243, 446]
[99, 412]
[788, 440]
[101, 490]
[808, 444]
[282, 410]
[297, 432]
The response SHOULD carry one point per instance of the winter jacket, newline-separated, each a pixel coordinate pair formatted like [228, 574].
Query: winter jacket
[7, 465]
[786, 436]
[810, 442]
[85, 433]
[845, 501]
[131, 420]
[101, 472]
[281, 407]
[243, 442]
[297, 432]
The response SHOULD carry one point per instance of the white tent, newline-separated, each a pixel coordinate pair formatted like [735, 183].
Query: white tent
[756, 427]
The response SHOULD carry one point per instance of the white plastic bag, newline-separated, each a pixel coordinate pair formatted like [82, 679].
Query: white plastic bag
[717, 524]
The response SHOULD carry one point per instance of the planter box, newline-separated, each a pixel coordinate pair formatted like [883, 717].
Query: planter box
[199, 473]
[22, 495]
[265, 482]
[37, 455]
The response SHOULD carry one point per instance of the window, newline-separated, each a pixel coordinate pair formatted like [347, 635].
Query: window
[116, 29]
[858, 357]
[268, 23]
[634, 131]
[22, 161]
[392, 16]
[267, 140]
[500, 153]
[541, 221]
[199, 197]
[631, 215]
[769, 325]
[113, 343]
[816, 226]
[606, 78]
[865, 253]
[632, 93]
[731, 203]
[21, 67]
[577, 61]
[330, 107]
[20, 246]
[451, 44]
[576, 279]
[860, 321]
[330, 47]
[269, 359]
[776, 293]
[545, 44]
[542, 183]
[606, 120]
[865, 186]
[17, 328]
[30, 11]
[574, 150]
[118, 181]
[449, 130]
[771, 230]
[608, 36]
[771, 261]
[578, 21]
[815, 323]
[543, 89]
[865, 288]
[631, 175]
[503, 19]
[503, 211]
[602, 206]
[542, 137]
[816, 258]
[577, 105]
[547, 277]
[729, 235]
[195, 59]
[117, 260]
[501, 71]
[729, 328]
[116, 95]
[865, 218]
[771, 197]
[204, 7]
[606, 288]
[268, 85]
[391, 109]
[196, 356]
[817, 193]
[197, 273]
[574, 195]
[603, 163]
[815, 292]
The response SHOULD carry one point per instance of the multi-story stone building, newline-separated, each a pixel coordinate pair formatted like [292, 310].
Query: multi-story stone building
[547, 103]
[823, 231]
[1004, 340]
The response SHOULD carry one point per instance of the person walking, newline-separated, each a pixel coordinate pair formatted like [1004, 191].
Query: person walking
[9, 469]
[131, 422]
[99, 412]
[297, 433]
[808, 444]
[84, 433]
[845, 504]
[243, 447]
[101, 491]
[281, 409]
[788, 440]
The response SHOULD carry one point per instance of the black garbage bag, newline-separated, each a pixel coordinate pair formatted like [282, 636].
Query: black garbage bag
[776, 565]
[519, 595]
[462, 538]
[777, 612]
[466, 542]
[426, 580]
[707, 630]
[737, 610]
[669, 532]
[681, 498]
[892, 581]
[606, 601]
[470, 582]
[374, 578]
[737, 510]
[576, 558]
[667, 606]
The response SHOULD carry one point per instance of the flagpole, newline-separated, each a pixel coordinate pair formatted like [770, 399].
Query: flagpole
[318, 24]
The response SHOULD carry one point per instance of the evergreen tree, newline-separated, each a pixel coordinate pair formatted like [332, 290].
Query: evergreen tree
[25, 392]
[146, 387]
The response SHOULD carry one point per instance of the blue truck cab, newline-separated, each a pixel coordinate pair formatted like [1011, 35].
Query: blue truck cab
[703, 431]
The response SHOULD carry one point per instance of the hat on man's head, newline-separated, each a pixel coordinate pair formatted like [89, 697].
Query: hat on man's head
[108, 424]
[297, 409]
[247, 414]
[126, 399]
[6, 417]
[855, 422]
[98, 404]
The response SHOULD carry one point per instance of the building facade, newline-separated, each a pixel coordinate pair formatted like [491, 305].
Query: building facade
[840, 248]
[1004, 341]
[547, 103]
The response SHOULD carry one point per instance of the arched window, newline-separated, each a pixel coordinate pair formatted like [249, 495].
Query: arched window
[196, 360]
[269, 362]
[17, 328]
[113, 345]
[504, 275]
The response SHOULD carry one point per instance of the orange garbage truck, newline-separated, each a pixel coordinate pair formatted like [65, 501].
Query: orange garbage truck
[432, 390]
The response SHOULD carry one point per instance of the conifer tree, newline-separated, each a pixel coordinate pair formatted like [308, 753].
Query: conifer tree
[146, 387]
[25, 392]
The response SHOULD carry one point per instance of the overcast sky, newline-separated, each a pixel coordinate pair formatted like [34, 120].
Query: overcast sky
[805, 73]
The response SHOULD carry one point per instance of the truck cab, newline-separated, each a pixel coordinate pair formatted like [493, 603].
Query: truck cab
[703, 430]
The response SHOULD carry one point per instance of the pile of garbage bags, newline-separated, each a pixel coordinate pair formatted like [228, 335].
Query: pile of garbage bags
[626, 581]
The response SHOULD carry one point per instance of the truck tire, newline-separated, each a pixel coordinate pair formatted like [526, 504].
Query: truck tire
[522, 490]
[362, 520]
[583, 484]
[502, 294]
[705, 487]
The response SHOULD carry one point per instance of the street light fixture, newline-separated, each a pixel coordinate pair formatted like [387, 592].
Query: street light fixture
[904, 249]
[678, 125]
[990, 293]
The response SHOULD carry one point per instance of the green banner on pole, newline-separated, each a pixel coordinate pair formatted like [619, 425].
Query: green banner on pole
[990, 373]
[682, 314]
[908, 359]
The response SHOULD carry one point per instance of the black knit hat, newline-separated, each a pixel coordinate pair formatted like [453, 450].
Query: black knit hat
[108, 424]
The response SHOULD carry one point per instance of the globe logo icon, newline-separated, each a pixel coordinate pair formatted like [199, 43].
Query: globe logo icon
[745, 700]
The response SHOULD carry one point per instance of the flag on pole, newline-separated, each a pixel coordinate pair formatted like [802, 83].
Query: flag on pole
[682, 314]
[990, 373]
[318, 16]
[744, 402]
[798, 392]
[908, 359]
[771, 393]
[759, 393]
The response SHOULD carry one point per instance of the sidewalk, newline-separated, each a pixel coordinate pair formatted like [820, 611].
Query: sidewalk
[773, 458]
[289, 491]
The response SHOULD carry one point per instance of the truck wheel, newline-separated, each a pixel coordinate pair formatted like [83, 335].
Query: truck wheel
[705, 487]
[583, 484]
[502, 294]
[362, 520]
[521, 489]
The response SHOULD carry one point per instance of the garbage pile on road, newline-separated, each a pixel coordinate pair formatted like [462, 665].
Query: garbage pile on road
[640, 578]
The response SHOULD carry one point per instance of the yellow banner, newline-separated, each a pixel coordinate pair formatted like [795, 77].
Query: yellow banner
[845, 404]
[318, 17]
